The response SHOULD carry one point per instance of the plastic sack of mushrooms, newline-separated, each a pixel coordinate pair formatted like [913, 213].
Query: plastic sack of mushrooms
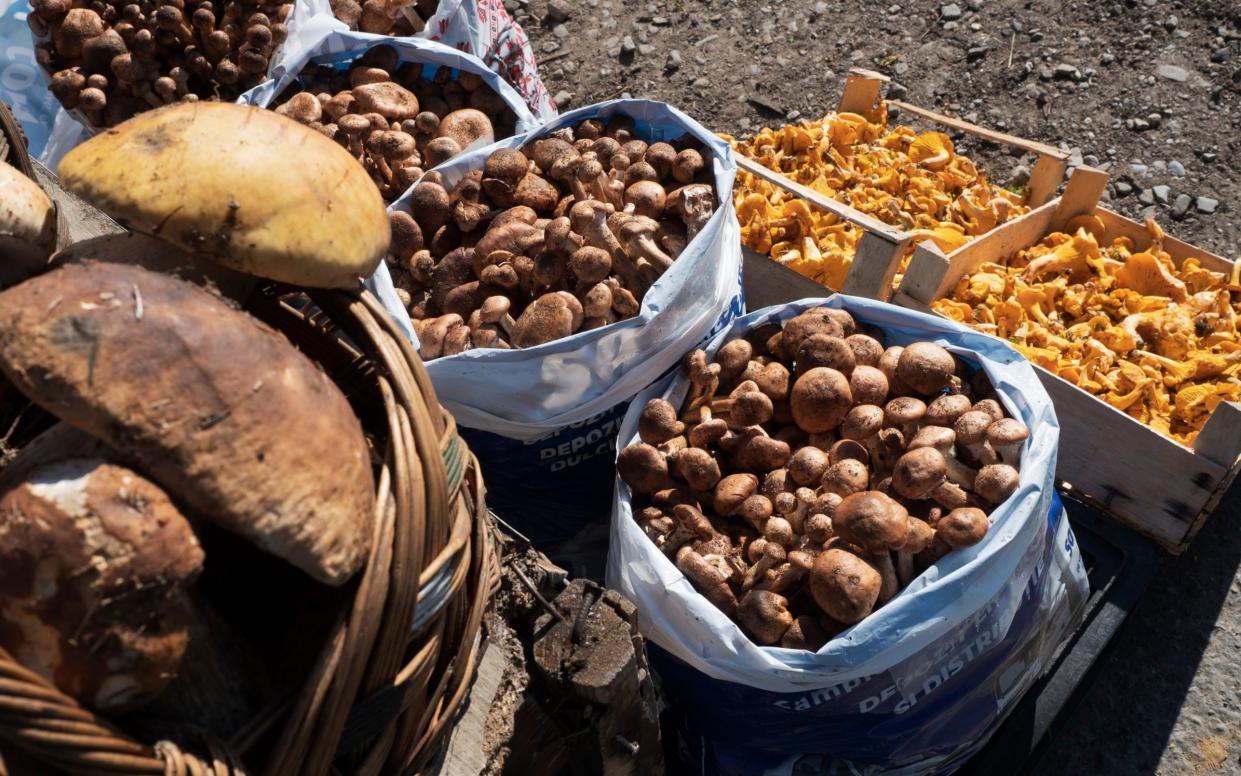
[483, 28]
[555, 275]
[400, 107]
[851, 502]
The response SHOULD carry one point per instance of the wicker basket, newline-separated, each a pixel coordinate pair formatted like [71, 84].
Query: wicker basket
[400, 659]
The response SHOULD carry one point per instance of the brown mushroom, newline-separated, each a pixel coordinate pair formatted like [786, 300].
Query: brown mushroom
[945, 410]
[962, 527]
[658, 422]
[819, 399]
[710, 576]
[844, 585]
[805, 633]
[764, 615]
[925, 367]
[1006, 437]
[872, 521]
[846, 477]
[551, 317]
[466, 126]
[996, 482]
[971, 430]
[643, 468]
[807, 465]
[868, 385]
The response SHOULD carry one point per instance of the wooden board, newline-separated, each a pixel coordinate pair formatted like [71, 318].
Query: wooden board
[768, 282]
[1145, 480]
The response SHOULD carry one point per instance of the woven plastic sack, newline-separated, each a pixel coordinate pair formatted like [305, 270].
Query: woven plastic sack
[544, 420]
[919, 685]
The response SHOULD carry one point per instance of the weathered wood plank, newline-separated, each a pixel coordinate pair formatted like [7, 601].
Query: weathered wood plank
[875, 262]
[990, 135]
[769, 282]
[1045, 178]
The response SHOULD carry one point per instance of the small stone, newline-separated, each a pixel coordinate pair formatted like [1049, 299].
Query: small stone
[820, 8]
[660, 21]
[900, 68]
[1181, 206]
[1176, 169]
[976, 53]
[673, 62]
[1045, 73]
[1016, 25]
[1019, 176]
[628, 46]
[1159, 166]
[1161, 194]
[1123, 188]
[1090, 160]
[550, 45]
[562, 99]
[1075, 158]
[1219, 55]
[512, 6]
[1066, 72]
[560, 31]
[950, 12]
[646, 49]
[701, 83]
[1138, 125]
[559, 10]
[1146, 197]
[792, 115]
[1173, 73]
[1154, 119]
[897, 91]
[1137, 169]
[974, 5]
[1208, 157]
[1206, 205]
[1107, 58]
[1171, 22]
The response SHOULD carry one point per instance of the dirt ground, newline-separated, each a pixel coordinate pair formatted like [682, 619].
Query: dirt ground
[1148, 90]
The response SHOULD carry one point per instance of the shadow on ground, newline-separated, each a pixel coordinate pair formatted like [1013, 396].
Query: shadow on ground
[1167, 697]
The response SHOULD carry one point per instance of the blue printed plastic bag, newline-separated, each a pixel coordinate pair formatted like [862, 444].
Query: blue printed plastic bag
[544, 420]
[916, 687]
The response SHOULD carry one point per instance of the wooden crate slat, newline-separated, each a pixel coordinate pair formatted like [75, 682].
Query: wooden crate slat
[1119, 226]
[1081, 195]
[1045, 178]
[768, 282]
[1220, 438]
[875, 262]
[990, 135]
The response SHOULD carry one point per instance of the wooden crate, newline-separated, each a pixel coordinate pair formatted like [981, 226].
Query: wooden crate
[882, 247]
[1151, 483]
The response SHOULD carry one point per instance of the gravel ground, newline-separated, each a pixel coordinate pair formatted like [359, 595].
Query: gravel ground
[1150, 91]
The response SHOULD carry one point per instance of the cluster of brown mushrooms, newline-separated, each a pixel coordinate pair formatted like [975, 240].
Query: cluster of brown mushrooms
[384, 17]
[397, 122]
[565, 235]
[813, 473]
[114, 60]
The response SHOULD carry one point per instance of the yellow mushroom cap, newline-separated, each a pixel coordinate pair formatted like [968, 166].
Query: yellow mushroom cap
[251, 189]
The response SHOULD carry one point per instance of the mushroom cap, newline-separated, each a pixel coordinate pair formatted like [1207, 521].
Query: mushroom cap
[925, 367]
[755, 510]
[773, 380]
[816, 320]
[536, 192]
[844, 586]
[550, 317]
[467, 126]
[387, 98]
[945, 410]
[938, 437]
[820, 399]
[642, 467]
[825, 350]
[590, 264]
[440, 150]
[868, 384]
[921, 534]
[751, 408]
[996, 482]
[862, 421]
[658, 422]
[904, 410]
[971, 427]
[302, 107]
[846, 477]
[807, 465]
[733, 357]
[866, 349]
[918, 472]
[805, 633]
[506, 164]
[963, 527]
[991, 408]
[765, 615]
[647, 197]
[234, 195]
[698, 468]
[27, 227]
[731, 491]
[1007, 431]
[871, 520]
[887, 365]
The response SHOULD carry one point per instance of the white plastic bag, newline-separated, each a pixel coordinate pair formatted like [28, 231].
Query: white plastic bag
[544, 420]
[22, 85]
[915, 687]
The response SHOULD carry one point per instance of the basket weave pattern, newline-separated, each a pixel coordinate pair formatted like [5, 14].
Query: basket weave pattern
[399, 662]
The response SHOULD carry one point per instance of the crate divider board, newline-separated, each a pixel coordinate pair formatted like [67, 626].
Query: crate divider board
[881, 247]
[1147, 481]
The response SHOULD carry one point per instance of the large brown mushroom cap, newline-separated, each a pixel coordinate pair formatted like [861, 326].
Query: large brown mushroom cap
[945, 410]
[962, 527]
[658, 422]
[872, 520]
[467, 126]
[816, 320]
[732, 491]
[869, 385]
[820, 399]
[550, 317]
[862, 421]
[925, 367]
[764, 615]
[918, 472]
[825, 350]
[844, 586]
[995, 483]
[642, 467]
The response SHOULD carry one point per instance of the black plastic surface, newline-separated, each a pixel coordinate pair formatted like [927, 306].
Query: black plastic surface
[1119, 564]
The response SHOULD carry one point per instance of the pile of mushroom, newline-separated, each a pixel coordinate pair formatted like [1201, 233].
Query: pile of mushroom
[114, 60]
[564, 235]
[383, 17]
[812, 473]
[395, 119]
[1152, 339]
[916, 182]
